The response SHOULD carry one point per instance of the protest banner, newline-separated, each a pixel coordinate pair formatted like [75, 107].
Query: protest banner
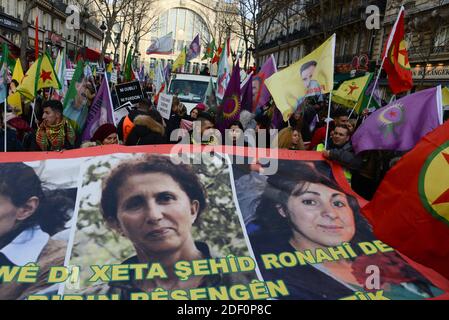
[100, 112]
[114, 76]
[130, 91]
[122, 111]
[69, 74]
[259, 237]
[164, 105]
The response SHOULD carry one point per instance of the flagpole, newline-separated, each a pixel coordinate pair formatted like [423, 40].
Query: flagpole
[32, 113]
[387, 47]
[4, 121]
[328, 119]
[375, 83]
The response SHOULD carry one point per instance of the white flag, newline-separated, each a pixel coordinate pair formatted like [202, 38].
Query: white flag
[162, 45]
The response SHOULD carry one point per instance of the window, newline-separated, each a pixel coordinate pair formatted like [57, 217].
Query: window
[343, 48]
[409, 39]
[442, 37]
[181, 20]
[189, 26]
[172, 23]
[163, 24]
[180, 45]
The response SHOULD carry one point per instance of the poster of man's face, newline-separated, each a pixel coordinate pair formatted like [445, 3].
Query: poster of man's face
[307, 73]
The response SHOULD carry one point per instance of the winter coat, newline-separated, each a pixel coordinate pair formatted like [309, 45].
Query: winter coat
[147, 131]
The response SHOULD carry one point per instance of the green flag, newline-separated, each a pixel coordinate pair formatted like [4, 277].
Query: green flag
[129, 74]
[210, 50]
[4, 72]
[76, 104]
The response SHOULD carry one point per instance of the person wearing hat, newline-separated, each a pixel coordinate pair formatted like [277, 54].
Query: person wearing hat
[105, 134]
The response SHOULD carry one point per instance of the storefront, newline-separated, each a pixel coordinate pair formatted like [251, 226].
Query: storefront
[10, 28]
[431, 75]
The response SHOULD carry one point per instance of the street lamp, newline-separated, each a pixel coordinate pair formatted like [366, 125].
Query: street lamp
[48, 44]
[125, 43]
[103, 27]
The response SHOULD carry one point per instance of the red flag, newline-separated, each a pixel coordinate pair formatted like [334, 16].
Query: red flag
[410, 210]
[395, 56]
[156, 97]
[36, 38]
[216, 58]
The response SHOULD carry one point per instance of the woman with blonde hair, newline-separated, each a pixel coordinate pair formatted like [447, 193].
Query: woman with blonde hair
[290, 138]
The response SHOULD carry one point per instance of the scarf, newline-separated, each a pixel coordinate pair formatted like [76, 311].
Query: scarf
[53, 138]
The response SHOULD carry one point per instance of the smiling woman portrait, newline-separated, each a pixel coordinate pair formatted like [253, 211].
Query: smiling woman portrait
[302, 210]
[154, 203]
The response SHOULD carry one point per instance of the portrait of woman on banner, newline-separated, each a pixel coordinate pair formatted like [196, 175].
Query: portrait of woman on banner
[154, 203]
[31, 218]
[303, 210]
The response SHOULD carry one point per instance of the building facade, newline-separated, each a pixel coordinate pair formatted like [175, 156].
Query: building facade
[427, 37]
[299, 29]
[53, 33]
[184, 19]
[358, 48]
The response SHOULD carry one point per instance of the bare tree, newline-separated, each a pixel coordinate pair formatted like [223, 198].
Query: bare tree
[109, 10]
[137, 23]
[30, 5]
[256, 18]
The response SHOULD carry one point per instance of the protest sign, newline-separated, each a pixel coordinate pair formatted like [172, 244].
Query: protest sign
[130, 91]
[114, 76]
[259, 237]
[69, 74]
[122, 111]
[164, 105]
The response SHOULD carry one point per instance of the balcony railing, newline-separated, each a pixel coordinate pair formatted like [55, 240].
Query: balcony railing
[440, 49]
[417, 52]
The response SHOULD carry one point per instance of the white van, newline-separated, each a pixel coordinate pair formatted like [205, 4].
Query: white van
[190, 88]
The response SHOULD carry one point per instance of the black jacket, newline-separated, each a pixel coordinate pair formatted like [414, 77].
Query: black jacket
[147, 131]
[132, 115]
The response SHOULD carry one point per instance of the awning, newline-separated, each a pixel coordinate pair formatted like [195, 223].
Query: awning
[92, 55]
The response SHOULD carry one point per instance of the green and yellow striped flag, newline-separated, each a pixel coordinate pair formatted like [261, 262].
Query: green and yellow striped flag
[351, 92]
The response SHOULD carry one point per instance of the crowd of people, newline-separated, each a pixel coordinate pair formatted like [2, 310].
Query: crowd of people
[49, 130]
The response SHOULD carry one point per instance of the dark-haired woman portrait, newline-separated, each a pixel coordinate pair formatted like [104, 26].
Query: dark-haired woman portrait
[302, 209]
[29, 217]
[154, 203]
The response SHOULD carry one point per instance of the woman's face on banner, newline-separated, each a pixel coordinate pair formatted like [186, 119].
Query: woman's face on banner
[321, 215]
[155, 213]
[8, 216]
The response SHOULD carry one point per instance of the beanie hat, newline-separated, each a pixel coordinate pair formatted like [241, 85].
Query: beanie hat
[103, 132]
[201, 107]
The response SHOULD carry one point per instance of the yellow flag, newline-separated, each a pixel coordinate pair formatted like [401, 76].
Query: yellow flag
[350, 91]
[445, 94]
[180, 60]
[14, 99]
[40, 75]
[313, 75]
[109, 67]
[18, 72]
